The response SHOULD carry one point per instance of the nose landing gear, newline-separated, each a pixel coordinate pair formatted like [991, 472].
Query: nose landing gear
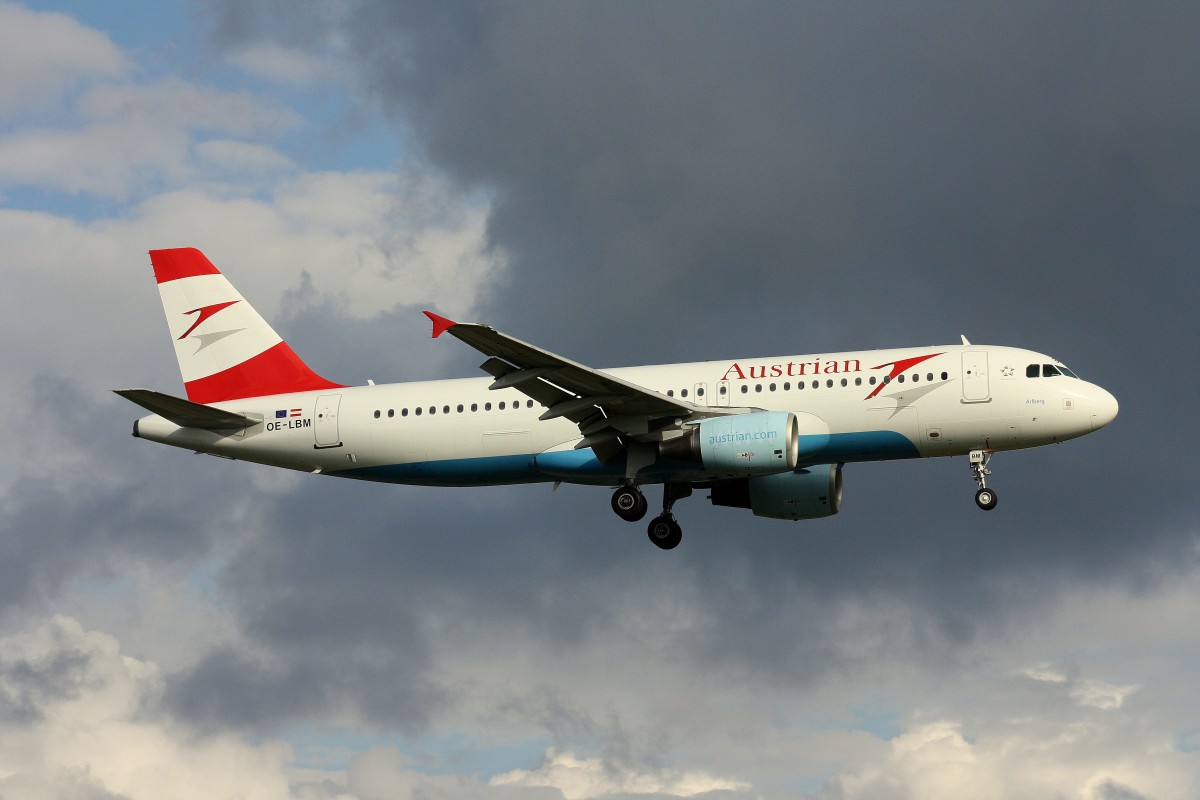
[985, 498]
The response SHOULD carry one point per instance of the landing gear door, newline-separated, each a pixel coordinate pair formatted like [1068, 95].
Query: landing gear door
[975, 377]
[325, 426]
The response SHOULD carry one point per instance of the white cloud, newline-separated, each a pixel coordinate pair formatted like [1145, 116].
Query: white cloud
[937, 761]
[43, 54]
[129, 140]
[243, 157]
[285, 65]
[82, 719]
[583, 778]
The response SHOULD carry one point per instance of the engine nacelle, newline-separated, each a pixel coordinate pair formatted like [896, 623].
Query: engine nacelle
[804, 494]
[758, 443]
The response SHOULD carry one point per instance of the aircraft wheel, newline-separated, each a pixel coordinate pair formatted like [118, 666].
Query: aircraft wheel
[985, 499]
[665, 532]
[629, 503]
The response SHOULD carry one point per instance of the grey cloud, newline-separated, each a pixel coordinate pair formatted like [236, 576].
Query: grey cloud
[86, 497]
[769, 178]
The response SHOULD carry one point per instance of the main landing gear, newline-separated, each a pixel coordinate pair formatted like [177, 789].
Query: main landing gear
[630, 505]
[985, 498]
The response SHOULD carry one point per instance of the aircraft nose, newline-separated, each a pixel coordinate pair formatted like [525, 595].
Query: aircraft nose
[1104, 408]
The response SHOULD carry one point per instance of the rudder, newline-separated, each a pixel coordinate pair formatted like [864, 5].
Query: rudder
[225, 349]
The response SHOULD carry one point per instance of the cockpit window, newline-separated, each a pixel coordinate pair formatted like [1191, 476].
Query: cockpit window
[1048, 371]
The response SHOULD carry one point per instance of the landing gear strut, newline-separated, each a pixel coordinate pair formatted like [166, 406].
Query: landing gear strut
[985, 498]
[629, 503]
[663, 530]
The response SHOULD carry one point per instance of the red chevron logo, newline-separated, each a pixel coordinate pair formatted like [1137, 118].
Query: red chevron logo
[205, 312]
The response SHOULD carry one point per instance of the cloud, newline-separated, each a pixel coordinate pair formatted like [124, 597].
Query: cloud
[291, 66]
[88, 723]
[243, 157]
[130, 140]
[43, 55]
[580, 779]
[619, 186]
[935, 760]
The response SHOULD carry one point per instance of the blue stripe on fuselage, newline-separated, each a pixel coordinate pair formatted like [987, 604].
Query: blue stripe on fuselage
[582, 466]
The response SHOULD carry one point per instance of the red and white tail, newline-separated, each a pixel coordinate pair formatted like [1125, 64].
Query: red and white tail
[226, 351]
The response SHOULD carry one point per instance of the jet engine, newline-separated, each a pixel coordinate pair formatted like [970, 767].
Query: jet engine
[804, 494]
[758, 443]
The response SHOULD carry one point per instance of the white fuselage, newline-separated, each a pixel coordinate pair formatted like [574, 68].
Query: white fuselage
[859, 406]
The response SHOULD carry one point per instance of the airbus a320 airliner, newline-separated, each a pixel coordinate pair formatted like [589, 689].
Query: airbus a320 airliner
[767, 434]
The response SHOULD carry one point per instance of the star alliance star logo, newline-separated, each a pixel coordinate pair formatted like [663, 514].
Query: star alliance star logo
[1006, 371]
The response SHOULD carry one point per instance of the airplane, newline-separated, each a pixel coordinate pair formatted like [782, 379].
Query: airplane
[770, 435]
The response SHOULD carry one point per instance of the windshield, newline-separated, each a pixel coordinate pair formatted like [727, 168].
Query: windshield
[1048, 371]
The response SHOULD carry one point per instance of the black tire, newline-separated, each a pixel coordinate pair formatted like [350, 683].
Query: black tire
[665, 532]
[985, 499]
[629, 503]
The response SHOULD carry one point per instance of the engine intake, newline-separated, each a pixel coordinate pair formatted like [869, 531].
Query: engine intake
[758, 443]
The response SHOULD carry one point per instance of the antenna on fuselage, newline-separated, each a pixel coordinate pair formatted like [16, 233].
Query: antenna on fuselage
[964, 338]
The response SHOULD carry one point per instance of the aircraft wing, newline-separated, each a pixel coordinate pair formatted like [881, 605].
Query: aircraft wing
[610, 412]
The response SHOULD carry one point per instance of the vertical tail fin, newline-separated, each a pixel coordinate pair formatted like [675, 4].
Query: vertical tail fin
[226, 351]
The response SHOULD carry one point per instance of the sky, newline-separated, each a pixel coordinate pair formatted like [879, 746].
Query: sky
[621, 183]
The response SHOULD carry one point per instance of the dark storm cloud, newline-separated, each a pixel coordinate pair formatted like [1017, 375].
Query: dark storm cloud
[676, 182]
[89, 499]
[690, 172]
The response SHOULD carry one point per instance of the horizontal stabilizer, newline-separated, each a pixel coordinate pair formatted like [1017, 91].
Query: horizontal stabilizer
[185, 413]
